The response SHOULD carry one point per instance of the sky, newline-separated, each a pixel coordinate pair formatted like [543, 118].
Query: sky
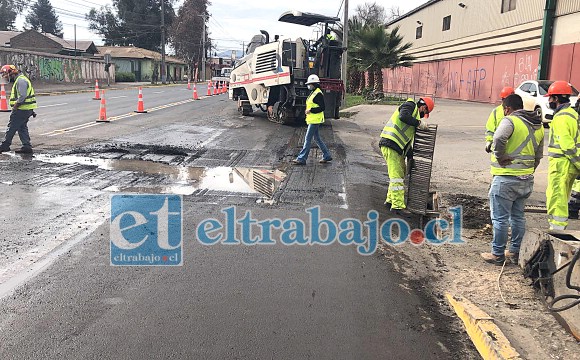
[232, 23]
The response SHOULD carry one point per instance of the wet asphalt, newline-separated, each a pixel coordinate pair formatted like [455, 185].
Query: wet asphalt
[61, 299]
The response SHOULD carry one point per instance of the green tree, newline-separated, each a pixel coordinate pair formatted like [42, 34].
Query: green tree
[43, 18]
[132, 22]
[186, 33]
[9, 9]
[377, 49]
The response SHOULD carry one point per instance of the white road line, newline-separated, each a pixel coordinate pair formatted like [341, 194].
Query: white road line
[117, 97]
[45, 106]
[158, 92]
[111, 119]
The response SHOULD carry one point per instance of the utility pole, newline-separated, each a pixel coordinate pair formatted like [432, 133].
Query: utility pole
[163, 76]
[75, 39]
[204, 16]
[345, 45]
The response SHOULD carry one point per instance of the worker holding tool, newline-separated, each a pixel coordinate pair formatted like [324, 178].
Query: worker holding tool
[518, 144]
[23, 103]
[495, 117]
[395, 143]
[563, 153]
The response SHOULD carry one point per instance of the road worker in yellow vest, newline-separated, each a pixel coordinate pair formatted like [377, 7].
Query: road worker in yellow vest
[23, 103]
[574, 203]
[395, 143]
[495, 117]
[518, 144]
[563, 152]
[314, 118]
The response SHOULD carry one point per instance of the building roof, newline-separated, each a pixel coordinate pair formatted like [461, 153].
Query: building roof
[5, 37]
[417, 9]
[132, 52]
[83, 45]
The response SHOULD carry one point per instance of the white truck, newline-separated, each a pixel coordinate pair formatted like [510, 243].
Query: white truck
[224, 76]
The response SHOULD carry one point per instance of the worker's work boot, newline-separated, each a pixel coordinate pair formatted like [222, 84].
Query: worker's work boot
[512, 257]
[493, 259]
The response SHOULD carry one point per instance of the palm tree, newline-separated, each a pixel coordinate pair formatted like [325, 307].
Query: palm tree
[377, 49]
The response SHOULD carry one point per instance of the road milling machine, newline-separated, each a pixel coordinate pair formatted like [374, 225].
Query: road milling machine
[272, 74]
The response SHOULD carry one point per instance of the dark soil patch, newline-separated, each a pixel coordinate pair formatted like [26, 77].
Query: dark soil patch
[475, 209]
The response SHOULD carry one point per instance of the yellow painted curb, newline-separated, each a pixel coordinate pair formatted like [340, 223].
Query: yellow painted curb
[484, 333]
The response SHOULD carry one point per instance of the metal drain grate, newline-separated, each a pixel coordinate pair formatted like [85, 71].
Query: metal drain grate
[419, 170]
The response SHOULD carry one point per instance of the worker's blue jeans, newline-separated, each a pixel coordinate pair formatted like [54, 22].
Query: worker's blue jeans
[310, 133]
[507, 198]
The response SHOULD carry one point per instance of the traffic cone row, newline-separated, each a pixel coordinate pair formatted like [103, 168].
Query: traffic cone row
[3, 102]
[97, 93]
[103, 109]
[140, 106]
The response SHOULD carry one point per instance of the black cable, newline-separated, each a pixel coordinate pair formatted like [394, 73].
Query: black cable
[571, 265]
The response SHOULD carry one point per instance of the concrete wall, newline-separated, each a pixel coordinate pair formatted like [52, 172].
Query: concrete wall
[57, 69]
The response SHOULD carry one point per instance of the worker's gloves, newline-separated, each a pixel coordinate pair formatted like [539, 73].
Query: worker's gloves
[423, 125]
[488, 146]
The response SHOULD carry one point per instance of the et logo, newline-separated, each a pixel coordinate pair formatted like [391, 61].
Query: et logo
[146, 230]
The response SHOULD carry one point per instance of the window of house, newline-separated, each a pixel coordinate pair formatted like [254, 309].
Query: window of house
[419, 32]
[447, 23]
[508, 5]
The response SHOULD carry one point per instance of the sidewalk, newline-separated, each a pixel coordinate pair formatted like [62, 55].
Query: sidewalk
[461, 177]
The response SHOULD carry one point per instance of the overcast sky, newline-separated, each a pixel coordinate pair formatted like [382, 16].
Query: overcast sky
[232, 22]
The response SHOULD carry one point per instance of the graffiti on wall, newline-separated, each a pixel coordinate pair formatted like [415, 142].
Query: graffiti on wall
[55, 68]
[476, 78]
[51, 69]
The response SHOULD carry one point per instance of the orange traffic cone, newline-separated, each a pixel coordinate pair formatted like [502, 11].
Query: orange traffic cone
[209, 88]
[195, 97]
[224, 87]
[97, 92]
[140, 108]
[188, 84]
[215, 91]
[3, 103]
[103, 110]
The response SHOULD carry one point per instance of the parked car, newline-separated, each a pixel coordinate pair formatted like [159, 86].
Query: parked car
[533, 91]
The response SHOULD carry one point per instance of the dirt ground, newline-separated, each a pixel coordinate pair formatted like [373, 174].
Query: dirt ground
[461, 177]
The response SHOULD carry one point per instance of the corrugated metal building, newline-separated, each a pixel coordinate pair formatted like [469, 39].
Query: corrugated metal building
[470, 49]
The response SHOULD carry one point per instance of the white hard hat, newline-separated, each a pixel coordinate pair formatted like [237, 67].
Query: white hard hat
[313, 79]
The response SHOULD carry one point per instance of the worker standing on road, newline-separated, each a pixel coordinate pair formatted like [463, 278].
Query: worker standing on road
[396, 141]
[314, 117]
[518, 145]
[495, 117]
[563, 152]
[23, 103]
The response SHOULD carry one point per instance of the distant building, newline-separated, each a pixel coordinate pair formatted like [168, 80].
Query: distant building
[47, 43]
[6, 36]
[145, 64]
[471, 49]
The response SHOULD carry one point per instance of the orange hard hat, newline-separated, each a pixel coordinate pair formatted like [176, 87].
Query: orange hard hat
[429, 102]
[506, 91]
[559, 88]
[8, 69]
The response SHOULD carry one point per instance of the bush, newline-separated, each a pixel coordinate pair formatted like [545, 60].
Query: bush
[124, 77]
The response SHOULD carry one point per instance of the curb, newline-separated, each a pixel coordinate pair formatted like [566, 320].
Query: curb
[484, 333]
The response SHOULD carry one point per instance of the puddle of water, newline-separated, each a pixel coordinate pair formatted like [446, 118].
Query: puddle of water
[185, 180]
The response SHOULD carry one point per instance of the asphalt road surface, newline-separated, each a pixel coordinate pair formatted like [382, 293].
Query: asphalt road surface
[61, 299]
